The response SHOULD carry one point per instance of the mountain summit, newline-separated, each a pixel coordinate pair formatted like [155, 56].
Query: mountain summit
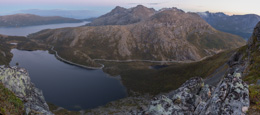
[123, 16]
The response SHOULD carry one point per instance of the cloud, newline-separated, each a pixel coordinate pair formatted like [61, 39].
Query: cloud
[133, 3]
[153, 3]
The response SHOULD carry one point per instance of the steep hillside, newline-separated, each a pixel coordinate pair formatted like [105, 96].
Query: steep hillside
[252, 77]
[122, 16]
[19, 20]
[241, 25]
[170, 35]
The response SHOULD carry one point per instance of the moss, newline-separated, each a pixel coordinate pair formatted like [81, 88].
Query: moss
[254, 68]
[252, 76]
[254, 94]
[9, 103]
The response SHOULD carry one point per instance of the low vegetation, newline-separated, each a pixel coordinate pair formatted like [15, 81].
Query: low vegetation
[9, 103]
[138, 77]
[255, 96]
[254, 68]
[60, 111]
[253, 75]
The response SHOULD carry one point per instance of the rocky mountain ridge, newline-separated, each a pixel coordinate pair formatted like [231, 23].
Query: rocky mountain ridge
[20, 20]
[123, 16]
[242, 25]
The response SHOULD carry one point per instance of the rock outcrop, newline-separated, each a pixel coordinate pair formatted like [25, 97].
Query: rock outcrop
[230, 96]
[18, 81]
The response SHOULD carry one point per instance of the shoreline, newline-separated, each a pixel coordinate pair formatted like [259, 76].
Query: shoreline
[120, 61]
[72, 63]
[151, 60]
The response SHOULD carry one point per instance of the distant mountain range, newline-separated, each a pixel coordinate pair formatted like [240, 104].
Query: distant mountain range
[20, 20]
[76, 14]
[165, 35]
[242, 25]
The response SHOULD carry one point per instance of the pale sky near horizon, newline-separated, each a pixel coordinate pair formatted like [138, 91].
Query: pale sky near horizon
[226, 6]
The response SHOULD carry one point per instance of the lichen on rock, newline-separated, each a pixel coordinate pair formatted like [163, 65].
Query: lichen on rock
[18, 81]
[230, 96]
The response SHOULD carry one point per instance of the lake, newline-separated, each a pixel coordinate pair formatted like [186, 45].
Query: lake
[24, 31]
[68, 86]
[65, 85]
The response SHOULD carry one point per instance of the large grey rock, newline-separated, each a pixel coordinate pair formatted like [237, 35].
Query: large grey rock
[192, 94]
[18, 81]
[230, 97]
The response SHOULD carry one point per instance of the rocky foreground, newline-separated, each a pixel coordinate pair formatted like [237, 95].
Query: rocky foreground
[18, 81]
[230, 96]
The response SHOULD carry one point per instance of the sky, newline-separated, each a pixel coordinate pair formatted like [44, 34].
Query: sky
[103, 6]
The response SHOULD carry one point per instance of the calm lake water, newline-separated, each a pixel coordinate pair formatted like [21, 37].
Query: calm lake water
[68, 86]
[65, 85]
[24, 31]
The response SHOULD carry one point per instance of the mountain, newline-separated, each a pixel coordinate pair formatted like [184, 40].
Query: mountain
[122, 16]
[19, 20]
[76, 14]
[169, 35]
[241, 25]
[155, 36]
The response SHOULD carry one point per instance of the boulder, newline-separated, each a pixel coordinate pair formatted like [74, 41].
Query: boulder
[18, 81]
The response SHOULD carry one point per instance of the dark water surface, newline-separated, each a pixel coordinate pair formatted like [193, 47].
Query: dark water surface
[68, 86]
